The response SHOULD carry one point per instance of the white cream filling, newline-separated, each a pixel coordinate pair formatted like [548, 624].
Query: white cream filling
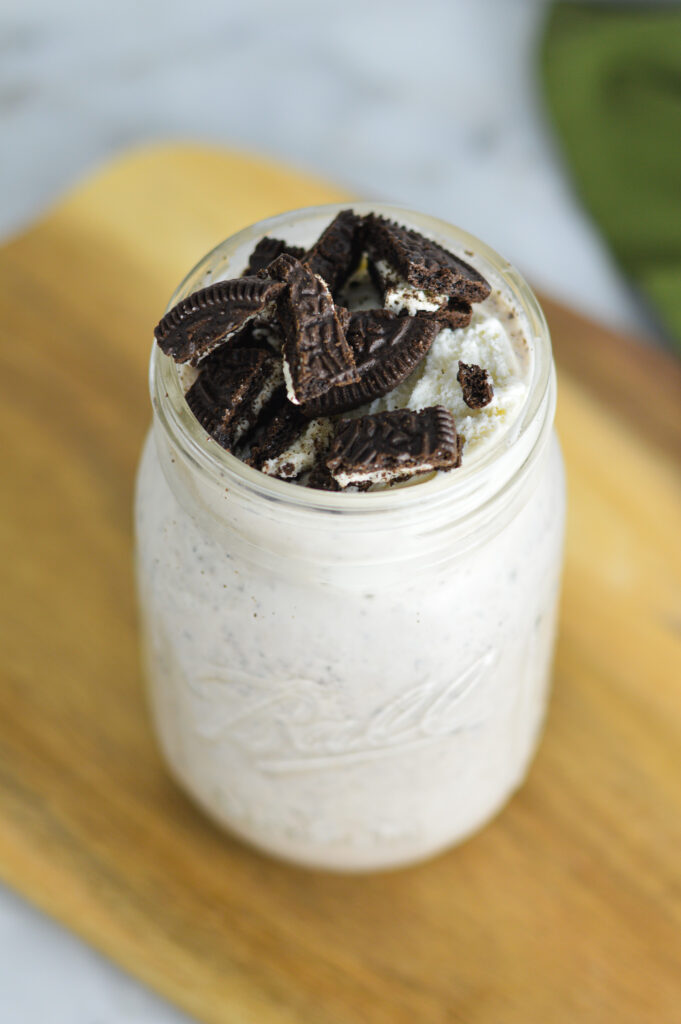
[288, 380]
[400, 295]
[227, 337]
[380, 476]
[266, 331]
[302, 453]
[271, 384]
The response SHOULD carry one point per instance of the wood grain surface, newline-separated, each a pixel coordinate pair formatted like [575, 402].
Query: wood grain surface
[567, 908]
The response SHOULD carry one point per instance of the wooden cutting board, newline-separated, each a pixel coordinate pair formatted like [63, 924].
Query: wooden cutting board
[567, 908]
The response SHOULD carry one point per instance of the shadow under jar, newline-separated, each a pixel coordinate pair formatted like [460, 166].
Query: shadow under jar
[350, 681]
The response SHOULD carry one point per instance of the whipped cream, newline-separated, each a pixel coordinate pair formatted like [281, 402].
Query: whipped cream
[488, 343]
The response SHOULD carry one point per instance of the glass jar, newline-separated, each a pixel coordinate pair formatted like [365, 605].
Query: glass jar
[350, 681]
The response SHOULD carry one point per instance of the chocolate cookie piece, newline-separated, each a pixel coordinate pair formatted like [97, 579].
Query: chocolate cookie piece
[457, 313]
[320, 479]
[393, 446]
[399, 296]
[422, 262]
[316, 353]
[266, 251]
[387, 348]
[199, 324]
[284, 425]
[296, 449]
[337, 252]
[254, 335]
[475, 384]
[233, 388]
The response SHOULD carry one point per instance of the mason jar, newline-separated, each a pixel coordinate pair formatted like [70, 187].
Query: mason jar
[350, 681]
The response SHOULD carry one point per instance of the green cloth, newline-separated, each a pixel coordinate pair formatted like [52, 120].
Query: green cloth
[612, 77]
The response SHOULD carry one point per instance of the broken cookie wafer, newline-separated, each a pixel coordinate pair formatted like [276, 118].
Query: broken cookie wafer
[399, 296]
[233, 388]
[320, 478]
[316, 353]
[386, 348]
[393, 445]
[336, 253]
[475, 384]
[457, 313]
[253, 335]
[422, 262]
[284, 426]
[266, 251]
[289, 460]
[208, 318]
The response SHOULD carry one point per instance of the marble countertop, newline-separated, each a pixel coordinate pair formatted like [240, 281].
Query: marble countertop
[435, 105]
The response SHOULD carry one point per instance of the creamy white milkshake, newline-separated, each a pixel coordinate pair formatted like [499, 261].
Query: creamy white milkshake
[357, 680]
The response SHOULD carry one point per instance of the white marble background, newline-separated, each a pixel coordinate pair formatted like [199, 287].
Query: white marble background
[432, 103]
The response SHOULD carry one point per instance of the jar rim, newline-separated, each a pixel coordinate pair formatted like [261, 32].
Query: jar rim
[207, 457]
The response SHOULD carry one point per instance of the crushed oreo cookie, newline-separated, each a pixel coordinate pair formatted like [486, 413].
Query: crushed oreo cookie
[316, 353]
[204, 321]
[234, 387]
[289, 444]
[279, 355]
[266, 251]
[399, 296]
[422, 262]
[284, 425]
[337, 252]
[390, 446]
[457, 313]
[254, 335]
[475, 384]
[320, 478]
[386, 349]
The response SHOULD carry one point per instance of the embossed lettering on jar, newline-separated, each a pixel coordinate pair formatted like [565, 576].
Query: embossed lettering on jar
[350, 681]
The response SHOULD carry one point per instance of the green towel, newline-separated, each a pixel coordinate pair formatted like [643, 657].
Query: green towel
[613, 84]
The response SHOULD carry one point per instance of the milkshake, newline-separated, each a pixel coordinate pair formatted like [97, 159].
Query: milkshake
[349, 597]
